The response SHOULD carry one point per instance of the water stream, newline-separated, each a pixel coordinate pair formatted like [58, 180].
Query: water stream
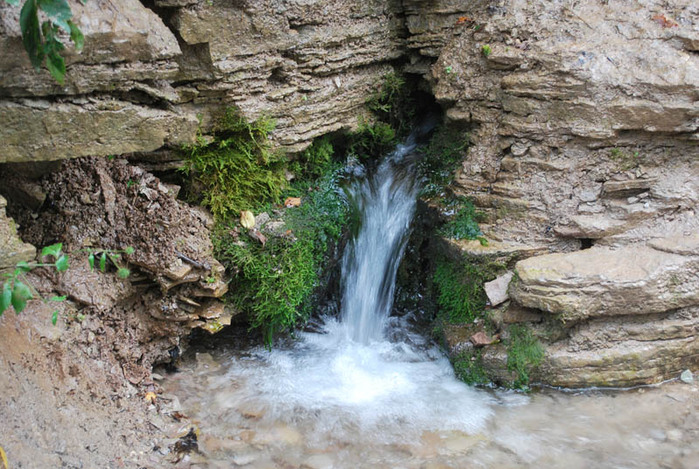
[348, 397]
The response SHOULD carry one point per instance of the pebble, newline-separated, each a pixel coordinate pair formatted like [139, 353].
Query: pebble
[687, 377]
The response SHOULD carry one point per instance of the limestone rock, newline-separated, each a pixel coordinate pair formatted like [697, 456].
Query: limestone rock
[611, 282]
[496, 290]
[51, 131]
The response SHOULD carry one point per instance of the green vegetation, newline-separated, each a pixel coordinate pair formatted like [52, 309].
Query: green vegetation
[464, 224]
[459, 291]
[276, 280]
[486, 50]
[43, 42]
[237, 170]
[625, 160]
[113, 255]
[441, 157]
[524, 354]
[468, 367]
[392, 103]
[17, 290]
[372, 139]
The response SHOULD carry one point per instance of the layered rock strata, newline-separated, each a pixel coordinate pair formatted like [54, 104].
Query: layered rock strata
[148, 76]
[584, 123]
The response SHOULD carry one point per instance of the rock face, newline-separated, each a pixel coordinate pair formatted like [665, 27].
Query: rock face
[146, 80]
[584, 127]
[604, 282]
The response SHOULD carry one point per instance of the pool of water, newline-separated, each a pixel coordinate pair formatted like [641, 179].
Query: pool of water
[325, 401]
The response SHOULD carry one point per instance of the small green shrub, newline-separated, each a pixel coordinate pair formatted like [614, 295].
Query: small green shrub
[17, 290]
[486, 50]
[524, 354]
[276, 281]
[464, 224]
[392, 103]
[460, 294]
[441, 157]
[315, 160]
[238, 170]
[469, 368]
[372, 140]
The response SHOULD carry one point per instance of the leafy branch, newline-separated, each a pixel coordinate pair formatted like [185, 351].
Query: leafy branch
[42, 41]
[17, 290]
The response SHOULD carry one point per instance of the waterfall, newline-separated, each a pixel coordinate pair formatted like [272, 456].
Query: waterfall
[384, 204]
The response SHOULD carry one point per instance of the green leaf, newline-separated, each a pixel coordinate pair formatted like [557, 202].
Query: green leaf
[58, 298]
[53, 250]
[62, 263]
[31, 35]
[14, 3]
[20, 295]
[6, 298]
[54, 317]
[129, 250]
[103, 262]
[23, 266]
[58, 11]
[76, 36]
[57, 67]
[91, 261]
[123, 272]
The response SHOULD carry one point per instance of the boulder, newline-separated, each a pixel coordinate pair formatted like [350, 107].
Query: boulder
[602, 281]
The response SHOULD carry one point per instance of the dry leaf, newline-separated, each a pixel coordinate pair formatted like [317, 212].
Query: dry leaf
[292, 202]
[150, 397]
[247, 219]
[255, 234]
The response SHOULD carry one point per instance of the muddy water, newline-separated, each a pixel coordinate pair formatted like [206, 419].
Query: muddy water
[236, 397]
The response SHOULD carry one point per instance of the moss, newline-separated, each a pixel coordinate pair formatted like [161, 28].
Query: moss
[460, 294]
[238, 169]
[275, 282]
[441, 157]
[469, 368]
[316, 160]
[524, 355]
[372, 140]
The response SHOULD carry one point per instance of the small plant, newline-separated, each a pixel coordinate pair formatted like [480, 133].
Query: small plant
[469, 368]
[441, 157]
[464, 225]
[524, 354]
[392, 103]
[43, 42]
[237, 170]
[625, 161]
[460, 294]
[486, 50]
[372, 140]
[17, 290]
[101, 256]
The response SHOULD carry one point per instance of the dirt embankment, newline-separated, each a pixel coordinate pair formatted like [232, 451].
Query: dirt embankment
[75, 394]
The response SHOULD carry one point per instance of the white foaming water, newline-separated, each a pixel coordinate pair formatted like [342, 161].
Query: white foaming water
[351, 381]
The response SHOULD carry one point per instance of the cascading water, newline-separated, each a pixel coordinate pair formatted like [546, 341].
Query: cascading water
[385, 204]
